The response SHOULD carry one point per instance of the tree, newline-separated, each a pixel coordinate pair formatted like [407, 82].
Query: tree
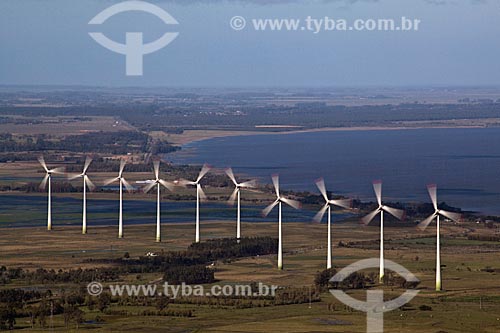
[103, 301]
[7, 317]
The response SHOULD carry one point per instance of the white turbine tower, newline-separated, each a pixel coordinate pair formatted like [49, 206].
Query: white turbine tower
[86, 183]
[237, 195]
[268, 209]
[437, 213]
[397, 213]
[122, 182]
[158, 182]
[200, 195]
[344, 203]
[47, 180]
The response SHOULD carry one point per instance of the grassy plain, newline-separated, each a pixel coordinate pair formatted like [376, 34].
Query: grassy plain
[64, 125]
[470, 302]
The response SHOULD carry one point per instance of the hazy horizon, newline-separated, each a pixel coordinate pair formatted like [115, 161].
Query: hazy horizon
[47, 43]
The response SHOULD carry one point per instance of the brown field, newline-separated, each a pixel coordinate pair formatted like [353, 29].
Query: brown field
[470, 302]
[457, 309]
[61, 126]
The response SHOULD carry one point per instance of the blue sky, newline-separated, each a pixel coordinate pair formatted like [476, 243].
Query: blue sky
[47, 42]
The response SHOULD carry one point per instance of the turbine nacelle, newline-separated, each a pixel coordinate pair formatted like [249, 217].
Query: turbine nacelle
[397, 213]
[48, 172]
[120, 179]
[184, 182]
[238, 186]
[86, 179]
[432, 189]
[280, 199]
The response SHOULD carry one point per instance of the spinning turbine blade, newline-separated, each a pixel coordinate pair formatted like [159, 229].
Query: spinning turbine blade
[269, 208]
[88, 160]
[230, 174]
[452, 216]
[368, 218]
[127, 185]
[110, 181]
[43, 184]
[122, 166]
[377, 187]
[319, 216]
[89, 183]
[320, 183]
[58, 170]
[149, 187]
[344, 203]
[42, 162]
[73, 177]
[292, 203]
[276, 183]
[425, 223]
[156, 166]
[206, 168]
[397, 213]
[232, 198]
[184, 182]
[167, 185]
[250, 183]
[433, 194]
[203, 196]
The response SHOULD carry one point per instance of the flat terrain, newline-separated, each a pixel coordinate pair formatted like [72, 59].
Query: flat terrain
[61, 126]
[189, 136]
[470, 302]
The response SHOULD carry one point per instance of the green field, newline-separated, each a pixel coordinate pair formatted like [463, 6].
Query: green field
[470, 302]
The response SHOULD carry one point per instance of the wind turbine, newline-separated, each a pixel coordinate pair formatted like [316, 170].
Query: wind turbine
[437, 213]
[123, 182]
[158, 182]
[91, 186]
[236, 195]
[397, 213]
[48, 180]
[344, 203]
[200, 195]
[279, 200]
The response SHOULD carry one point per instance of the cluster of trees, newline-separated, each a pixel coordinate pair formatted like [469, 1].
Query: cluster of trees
[200, 254]
[188, 266]
[296, 296]
[39, 307]
[45, 276]
[228, 248]
[170, 312]
[18, 121]
[484, 238]
[15, 303]
[357, 280]
[302, 115]
[245, 111]
[189, 274]
[360, 280]
[96, 142]
[177, 266]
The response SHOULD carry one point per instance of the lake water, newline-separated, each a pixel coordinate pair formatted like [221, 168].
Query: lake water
[465, 163]
[22, 210]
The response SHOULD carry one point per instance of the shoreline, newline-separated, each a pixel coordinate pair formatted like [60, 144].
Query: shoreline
[191, 136]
